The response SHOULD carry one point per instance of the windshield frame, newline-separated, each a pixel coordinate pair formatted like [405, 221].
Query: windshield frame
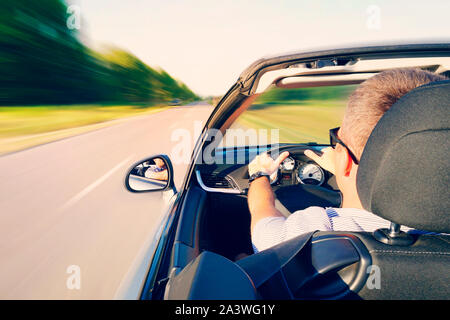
[241, 93]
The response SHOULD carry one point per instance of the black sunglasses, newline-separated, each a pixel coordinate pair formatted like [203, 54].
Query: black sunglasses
[334, 140]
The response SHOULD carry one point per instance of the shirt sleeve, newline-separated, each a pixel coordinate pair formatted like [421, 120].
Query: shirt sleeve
[271, 231]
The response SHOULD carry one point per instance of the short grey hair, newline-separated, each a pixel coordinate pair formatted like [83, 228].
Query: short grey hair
[373, 97]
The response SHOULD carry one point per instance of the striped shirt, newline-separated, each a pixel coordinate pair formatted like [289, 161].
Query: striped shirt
[274, 230]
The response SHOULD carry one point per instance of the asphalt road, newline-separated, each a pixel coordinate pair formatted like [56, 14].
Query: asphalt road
[64, 204]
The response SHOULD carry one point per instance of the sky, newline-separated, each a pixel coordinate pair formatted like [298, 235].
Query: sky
[208, 43]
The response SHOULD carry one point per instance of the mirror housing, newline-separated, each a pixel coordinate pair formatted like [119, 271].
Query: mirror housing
[151, 174]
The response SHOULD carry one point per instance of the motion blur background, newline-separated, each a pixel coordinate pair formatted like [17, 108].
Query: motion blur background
[107, 82]
[79, 62]
[45, 64]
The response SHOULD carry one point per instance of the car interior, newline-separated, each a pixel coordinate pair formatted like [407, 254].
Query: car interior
[403, 177]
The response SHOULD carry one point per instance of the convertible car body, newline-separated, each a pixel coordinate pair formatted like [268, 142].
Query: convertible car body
[203, 249]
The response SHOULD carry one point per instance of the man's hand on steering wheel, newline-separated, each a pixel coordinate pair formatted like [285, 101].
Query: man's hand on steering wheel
[261, 200]
[264, 163]
[326, 160]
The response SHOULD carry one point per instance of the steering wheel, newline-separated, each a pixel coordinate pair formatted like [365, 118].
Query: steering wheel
[291, 198]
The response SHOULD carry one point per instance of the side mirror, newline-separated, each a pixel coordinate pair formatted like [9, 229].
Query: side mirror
[152, 174]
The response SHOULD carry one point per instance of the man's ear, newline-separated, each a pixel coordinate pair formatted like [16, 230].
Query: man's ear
[349, 163]
[344, 161]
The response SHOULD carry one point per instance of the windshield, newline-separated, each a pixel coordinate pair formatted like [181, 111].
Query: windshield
[290, 116]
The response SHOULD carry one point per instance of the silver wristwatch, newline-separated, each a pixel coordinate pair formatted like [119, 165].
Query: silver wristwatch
[257, 175]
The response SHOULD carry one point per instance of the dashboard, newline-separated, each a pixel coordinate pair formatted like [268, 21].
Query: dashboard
[293, 170]
[229, 172]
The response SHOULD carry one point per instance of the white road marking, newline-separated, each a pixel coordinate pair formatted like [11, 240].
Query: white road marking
[93, 185]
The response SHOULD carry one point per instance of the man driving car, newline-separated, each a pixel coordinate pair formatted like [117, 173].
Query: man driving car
[365, 107]
[158, 171]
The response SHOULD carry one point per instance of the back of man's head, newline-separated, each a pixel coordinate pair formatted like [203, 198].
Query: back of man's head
[373, 98]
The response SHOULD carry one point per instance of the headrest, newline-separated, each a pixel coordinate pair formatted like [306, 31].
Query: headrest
[404, 172]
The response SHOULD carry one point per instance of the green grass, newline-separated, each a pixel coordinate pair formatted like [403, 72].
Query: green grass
[19, 121]
[305, 121]
[24, 127]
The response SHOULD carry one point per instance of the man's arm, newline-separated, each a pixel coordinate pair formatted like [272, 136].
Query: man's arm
[261, 200]
[161, 175]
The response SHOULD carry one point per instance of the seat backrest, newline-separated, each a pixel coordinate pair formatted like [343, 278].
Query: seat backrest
[404, 172]
[404, 176]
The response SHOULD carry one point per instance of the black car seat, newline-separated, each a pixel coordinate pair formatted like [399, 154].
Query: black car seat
[404, 177]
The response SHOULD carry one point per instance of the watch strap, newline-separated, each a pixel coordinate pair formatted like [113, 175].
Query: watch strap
[257, 175]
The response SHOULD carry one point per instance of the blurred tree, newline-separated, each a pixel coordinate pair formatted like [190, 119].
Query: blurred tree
[282, 96]
[43, 62]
